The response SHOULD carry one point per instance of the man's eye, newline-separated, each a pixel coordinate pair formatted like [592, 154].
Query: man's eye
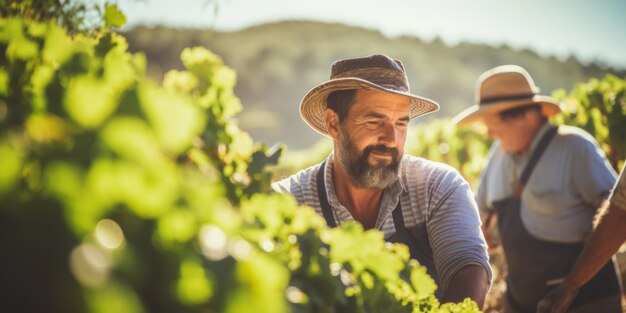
[402, 124]
[373, 124]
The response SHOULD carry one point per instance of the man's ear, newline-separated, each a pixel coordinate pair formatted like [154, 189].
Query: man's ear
[332, 123]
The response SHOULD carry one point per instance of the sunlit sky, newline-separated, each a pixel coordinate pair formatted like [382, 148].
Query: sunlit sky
[590, 30]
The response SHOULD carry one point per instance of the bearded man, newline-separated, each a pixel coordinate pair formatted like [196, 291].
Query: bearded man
[365, 108]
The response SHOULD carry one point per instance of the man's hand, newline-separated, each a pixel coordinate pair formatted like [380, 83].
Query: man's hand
[557, 300]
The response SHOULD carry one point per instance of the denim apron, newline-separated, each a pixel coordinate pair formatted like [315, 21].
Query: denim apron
[535, 266]
[420, 249]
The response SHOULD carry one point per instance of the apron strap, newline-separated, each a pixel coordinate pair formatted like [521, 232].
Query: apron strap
[327, 211]
[534, 159]
[398, 219]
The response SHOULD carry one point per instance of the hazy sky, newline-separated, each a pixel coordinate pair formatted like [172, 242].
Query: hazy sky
[591, 30]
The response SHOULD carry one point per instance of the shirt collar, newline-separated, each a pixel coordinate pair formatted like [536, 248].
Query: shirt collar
[391, 194]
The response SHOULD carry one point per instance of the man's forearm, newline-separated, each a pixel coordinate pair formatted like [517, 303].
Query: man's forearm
[605, 240]
[471, 281]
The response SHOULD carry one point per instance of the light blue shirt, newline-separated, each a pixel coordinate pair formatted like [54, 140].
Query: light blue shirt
[568, 184]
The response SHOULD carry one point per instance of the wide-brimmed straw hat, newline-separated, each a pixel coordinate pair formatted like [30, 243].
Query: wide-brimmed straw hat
[378, 72]
[502, 88]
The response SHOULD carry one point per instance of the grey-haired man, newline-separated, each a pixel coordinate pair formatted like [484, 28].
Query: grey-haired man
[543, 185]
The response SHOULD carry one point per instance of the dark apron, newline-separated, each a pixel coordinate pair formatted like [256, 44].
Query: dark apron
[532, 262]
[419, 249]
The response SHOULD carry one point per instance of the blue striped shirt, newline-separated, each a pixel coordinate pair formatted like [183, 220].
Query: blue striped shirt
[435, 199]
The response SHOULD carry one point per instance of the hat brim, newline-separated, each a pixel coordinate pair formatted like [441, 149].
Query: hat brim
[549, 107]
[313, 104]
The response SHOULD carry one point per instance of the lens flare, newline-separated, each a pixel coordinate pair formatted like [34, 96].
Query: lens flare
[109, 234]
[213, 242]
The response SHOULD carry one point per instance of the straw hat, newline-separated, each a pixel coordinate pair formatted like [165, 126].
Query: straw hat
[502, 88]
[378, 72]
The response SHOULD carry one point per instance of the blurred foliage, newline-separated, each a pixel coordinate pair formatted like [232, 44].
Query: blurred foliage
[464, 148]
[75, 16]
[295, 160]
[119, 194]
[279, 63]
[599, 107]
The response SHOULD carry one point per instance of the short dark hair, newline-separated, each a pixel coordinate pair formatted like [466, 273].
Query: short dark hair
[518, 112]
[340, 102]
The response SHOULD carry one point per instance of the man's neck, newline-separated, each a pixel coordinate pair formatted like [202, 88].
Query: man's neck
[534, 130]
[362, 203]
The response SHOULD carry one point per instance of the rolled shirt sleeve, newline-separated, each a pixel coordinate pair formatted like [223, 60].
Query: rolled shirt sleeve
[453, 226]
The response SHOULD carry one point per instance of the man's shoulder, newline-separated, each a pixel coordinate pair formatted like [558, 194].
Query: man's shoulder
[298, 181]
[425, 170]
[574, 136]
[414, 162]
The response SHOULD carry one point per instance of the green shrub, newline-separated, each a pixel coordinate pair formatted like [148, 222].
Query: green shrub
[119, 194]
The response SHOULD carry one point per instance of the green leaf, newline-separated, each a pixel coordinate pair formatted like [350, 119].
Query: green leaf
[175, 119]
[19, 47]
[11, 160]
[261, 286]
[113, 16]
[89, 101]
[193, 286]
[114, 297]
[423, 284]
[133, 139]
[178, 226]
[64, 180]
[57, 47]
[4, 83]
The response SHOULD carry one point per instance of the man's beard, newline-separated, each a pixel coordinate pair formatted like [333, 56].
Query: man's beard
[362, 174]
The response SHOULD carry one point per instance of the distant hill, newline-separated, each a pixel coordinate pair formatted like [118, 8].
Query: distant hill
[278, 63]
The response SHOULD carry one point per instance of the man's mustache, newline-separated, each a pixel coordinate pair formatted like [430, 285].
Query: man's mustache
[381, 149]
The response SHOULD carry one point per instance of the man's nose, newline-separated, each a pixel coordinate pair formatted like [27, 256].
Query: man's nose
[389, 136]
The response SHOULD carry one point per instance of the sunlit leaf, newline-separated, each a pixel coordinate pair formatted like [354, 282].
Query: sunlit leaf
[175, 119]
[19, 46]
[63, 180]
[10, 166]
[4, 82]
[118, 70]
[42, 76]
[182, 81]
[193, 286]
[89, 101]
[148, 192]
[178, 226]
[200, 61]
[423, 284]
[113, 16]
[22, 49]
[133, 139]
[115, 297]
[261, 286]
[57, 47]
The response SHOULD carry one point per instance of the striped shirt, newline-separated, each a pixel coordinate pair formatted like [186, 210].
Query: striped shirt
[435, 200]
